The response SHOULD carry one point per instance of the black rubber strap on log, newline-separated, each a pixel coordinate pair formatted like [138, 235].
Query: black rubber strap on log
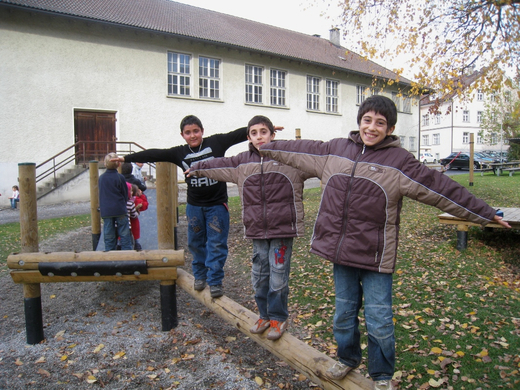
[94, 268]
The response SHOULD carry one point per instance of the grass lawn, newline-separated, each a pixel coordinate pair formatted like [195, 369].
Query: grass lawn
[457, 314]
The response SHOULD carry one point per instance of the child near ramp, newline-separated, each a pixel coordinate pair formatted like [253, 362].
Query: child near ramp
[272, 213]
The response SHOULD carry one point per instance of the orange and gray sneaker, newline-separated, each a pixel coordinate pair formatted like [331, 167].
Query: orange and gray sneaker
[260, 326]
[277, 329]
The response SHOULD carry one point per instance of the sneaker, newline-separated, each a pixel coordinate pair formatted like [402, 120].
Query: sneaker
[339, 371]
[216, 291]
[199, 284]
[277, 329]
[384, 385]
[138, 247]
[260, 326]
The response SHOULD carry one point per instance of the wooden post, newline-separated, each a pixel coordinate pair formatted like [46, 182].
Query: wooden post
[462, 237]
[166, 240]
[298, 134]
[471, 158]
[95, 217]
[175, 206]
[29, 241]
[300, 356]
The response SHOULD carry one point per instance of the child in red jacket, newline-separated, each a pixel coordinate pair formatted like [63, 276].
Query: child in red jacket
[141, 204]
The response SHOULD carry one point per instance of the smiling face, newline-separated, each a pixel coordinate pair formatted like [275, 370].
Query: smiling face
[373, 128]
[193, 135]
[259, 134]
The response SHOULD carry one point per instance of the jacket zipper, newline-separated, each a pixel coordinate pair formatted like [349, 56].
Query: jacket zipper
[345, 209]
[263, 194]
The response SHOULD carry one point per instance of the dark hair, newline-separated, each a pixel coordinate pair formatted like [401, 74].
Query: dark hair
[380, 105]
[260, 119]
[126, 168]
[134, 189]
[191, 120]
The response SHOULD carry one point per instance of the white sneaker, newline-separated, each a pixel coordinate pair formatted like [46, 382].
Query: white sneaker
[383, 385]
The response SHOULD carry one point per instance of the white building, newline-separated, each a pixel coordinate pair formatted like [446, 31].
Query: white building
[130, 70]
[448, 130]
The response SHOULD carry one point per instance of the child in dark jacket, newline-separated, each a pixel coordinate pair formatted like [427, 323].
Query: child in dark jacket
[113, 195]
[357, 227]
[272, 211]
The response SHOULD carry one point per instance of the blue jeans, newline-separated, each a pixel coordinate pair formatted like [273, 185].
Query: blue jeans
[351, 284]
[13, 202]
[208, 229]
[114, 227]
[270, 276]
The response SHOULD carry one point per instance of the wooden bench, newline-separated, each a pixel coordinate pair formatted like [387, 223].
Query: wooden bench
[482, 170]
[511, 216]
[33, 268]
[511, 170]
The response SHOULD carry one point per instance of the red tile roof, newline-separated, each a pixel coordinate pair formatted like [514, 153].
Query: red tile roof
[179, 19]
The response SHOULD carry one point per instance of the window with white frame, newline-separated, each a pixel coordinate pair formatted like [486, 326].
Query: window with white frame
[480, 95]
[209, 78]
[278, 78]
[331, 96]
[494, 138]
[437, 119]
[413, 146]
[465, 116]
[402, 140]
[479, 139]
[479, 116]
[313, 93]
[360, 94]
[465, 137]
[426, 120]
[397, 100]
[254, 84]
[374, 91]
[407, 104]
[426, 140]
[436, 139]
[179, 74]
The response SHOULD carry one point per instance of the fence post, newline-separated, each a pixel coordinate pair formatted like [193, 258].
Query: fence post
[29, 241]
[298, 133]
[166, 240]
[95, 217]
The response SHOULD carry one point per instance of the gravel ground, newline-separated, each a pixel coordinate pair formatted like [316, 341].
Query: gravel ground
[108, 335]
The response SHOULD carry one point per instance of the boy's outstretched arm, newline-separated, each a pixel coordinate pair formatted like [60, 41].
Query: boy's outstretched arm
[221, 169]
[501, 221]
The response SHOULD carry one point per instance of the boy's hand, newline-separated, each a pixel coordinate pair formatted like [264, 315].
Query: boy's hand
[120, 159]
[501, 221]
[278, 128]
[187, 172]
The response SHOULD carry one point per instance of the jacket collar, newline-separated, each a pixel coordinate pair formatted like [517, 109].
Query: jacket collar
[391, 141]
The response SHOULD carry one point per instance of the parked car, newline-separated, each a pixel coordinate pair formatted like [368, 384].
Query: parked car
[427, 158]
[461, 161]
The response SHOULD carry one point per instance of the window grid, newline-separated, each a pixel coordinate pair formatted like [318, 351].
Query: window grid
[313, 93]
[412, 144]
[397, 100]
[465, 137]
[360, 94]
[465, 116]
[278, 87]
[209, 78]
[331, 96]
[479, 116]
[426, 140]
[436, 139]
[407, 104]
[179, 76]
[437, 119]
[480, 95]
[254, 84]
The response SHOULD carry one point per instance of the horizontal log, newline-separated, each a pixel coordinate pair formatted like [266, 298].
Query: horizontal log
[154, 258]
[293, 351]
[34, 276]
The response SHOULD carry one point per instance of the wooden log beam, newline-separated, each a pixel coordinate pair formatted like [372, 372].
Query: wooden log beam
[293, 351]
[34, 276]
[154, 258]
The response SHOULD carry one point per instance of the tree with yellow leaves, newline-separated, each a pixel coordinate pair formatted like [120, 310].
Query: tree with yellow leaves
[445, 38]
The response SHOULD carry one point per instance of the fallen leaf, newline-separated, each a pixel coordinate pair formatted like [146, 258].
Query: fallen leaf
[40, 360]
[18, 362]
[91, 379]
[259, 381]
[43, 372]
[119, 355]
[99, 348]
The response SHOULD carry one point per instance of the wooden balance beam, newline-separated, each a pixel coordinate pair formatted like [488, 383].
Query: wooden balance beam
[300, 356]
[34, 268]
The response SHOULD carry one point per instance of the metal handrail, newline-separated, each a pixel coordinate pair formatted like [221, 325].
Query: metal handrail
[77, 153]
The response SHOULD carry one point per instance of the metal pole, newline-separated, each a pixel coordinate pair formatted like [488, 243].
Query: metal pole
[95, 217]
[471, 158]
[29, 241]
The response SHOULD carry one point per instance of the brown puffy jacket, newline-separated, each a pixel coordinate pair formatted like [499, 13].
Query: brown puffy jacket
[358, 220]
[271, 192]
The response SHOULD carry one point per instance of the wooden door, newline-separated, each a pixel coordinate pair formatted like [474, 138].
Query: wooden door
[95, 135]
